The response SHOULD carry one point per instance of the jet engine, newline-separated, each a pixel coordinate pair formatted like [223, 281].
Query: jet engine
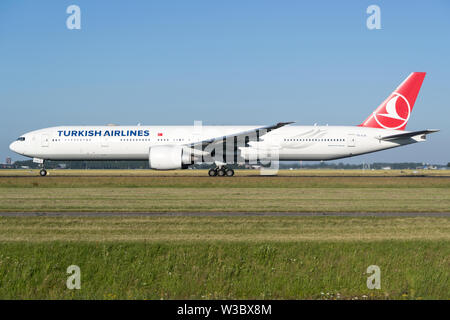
[170, 157]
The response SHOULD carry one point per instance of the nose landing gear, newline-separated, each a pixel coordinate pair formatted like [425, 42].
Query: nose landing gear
[221, 172]
[42, 172]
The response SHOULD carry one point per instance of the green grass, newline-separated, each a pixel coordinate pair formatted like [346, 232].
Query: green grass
[236, 257]
[225, 200]
[227, 229]
[220, 270]
[242, 194]
[223, 182]
[224, 257]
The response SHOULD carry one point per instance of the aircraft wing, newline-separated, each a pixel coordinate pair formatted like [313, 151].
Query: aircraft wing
[407, 135]
[253, 135]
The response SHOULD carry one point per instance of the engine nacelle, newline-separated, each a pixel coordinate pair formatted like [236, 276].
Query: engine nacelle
[170, 157]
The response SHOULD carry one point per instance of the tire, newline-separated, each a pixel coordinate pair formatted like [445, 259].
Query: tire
[230, 172]
[212, 173]
[221, 172]
[43, 172]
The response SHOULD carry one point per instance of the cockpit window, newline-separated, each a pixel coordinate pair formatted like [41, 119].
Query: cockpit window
[21, 139]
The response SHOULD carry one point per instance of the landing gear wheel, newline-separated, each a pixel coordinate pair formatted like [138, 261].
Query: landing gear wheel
[221, 172]
[212, 172]
[43, 172]
[230, 172]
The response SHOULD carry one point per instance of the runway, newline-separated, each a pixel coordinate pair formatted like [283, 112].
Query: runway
[224, 214]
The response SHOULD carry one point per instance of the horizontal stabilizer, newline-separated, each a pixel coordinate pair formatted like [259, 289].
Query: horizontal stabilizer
[407, 135]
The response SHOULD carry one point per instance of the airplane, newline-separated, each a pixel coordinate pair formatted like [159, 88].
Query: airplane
[178, 147]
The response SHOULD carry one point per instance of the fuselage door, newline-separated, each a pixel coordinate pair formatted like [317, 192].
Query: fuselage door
[351, 140]
[44, 140]
[105, 142]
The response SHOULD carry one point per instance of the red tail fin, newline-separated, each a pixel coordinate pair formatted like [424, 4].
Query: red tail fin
[395, 111]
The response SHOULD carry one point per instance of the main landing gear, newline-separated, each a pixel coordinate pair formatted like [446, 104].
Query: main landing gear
[221, 172]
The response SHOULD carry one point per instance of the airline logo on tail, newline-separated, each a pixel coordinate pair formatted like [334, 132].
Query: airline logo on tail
[395, 111]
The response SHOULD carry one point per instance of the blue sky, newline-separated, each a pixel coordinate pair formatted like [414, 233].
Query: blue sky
[222, 62]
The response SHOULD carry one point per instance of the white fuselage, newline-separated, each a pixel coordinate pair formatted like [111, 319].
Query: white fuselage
[134, 142]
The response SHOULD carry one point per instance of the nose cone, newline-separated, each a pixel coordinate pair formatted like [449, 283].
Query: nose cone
[14, 147]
